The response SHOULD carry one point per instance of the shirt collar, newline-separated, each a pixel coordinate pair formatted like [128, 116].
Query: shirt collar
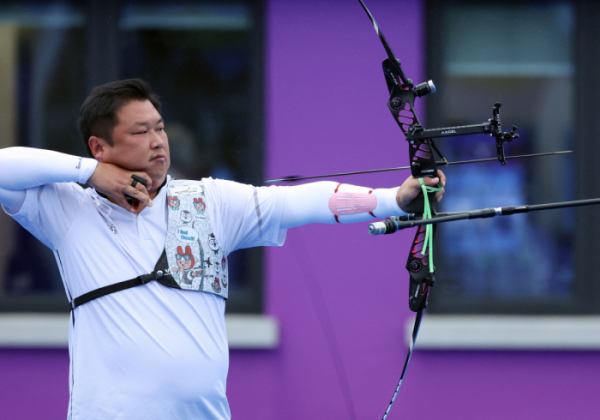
[105, 204]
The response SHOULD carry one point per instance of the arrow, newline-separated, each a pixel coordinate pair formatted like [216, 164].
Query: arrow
[439, 163]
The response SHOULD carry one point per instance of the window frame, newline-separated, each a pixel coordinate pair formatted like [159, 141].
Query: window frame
[586, 296]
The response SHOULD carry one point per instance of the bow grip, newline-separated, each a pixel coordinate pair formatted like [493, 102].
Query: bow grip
[418, 203]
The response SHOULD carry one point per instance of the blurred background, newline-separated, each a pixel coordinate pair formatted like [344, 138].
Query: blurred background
[255, 90]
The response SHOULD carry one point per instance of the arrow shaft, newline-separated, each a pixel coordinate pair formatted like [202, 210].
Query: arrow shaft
[439, 163]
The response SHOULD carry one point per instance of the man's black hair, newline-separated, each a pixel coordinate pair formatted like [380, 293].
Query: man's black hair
[98, 113]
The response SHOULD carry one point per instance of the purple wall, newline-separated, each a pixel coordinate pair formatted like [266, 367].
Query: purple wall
[34, 384]
[326, 112]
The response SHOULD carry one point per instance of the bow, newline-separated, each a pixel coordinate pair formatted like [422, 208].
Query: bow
[421, 150]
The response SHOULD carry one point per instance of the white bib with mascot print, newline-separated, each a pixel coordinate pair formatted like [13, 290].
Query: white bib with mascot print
[196, 261]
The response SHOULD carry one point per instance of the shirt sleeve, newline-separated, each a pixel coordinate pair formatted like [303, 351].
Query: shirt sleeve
[23, 168]
[310, 203]
[247, 216]
[49, 211]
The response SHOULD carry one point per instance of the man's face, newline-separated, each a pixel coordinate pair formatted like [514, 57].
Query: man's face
[140, 142]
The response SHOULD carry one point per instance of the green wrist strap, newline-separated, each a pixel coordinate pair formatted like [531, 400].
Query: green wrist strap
[427, 215]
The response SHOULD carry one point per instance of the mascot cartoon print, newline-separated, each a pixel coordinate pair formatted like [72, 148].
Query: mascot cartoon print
[213, 244]
[173, 202]
[216, 285]
[199, 205]
[186, 217]
[224, 268]
[186, 271]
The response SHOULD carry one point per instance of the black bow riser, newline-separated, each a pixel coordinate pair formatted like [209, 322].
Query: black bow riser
[401, 105]
[421, 279]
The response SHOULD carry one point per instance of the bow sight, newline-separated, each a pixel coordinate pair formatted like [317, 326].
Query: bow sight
[401, 104]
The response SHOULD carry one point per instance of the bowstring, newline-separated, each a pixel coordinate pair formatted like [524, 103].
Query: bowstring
[319, 304]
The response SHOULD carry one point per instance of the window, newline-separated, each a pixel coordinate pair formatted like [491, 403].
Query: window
[527, 56]
[204, 60]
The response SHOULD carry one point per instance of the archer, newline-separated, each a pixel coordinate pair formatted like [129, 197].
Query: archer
[136, 334]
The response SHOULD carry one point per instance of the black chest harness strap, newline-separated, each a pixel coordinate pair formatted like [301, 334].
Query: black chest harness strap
[161, 274]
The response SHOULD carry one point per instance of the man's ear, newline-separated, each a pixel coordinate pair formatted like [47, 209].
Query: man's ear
[97, 146]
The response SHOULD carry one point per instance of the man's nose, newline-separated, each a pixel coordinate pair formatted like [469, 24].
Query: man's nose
[158, 142]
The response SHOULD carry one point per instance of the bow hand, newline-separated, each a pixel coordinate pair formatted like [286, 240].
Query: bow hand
[410, 195]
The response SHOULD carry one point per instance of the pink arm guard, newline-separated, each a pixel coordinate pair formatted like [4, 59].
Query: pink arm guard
[313, 203]
[342, 203]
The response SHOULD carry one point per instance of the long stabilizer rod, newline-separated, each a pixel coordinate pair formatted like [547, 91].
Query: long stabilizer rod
[398, 223]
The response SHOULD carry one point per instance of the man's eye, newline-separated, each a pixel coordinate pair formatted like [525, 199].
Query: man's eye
[141, 132]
